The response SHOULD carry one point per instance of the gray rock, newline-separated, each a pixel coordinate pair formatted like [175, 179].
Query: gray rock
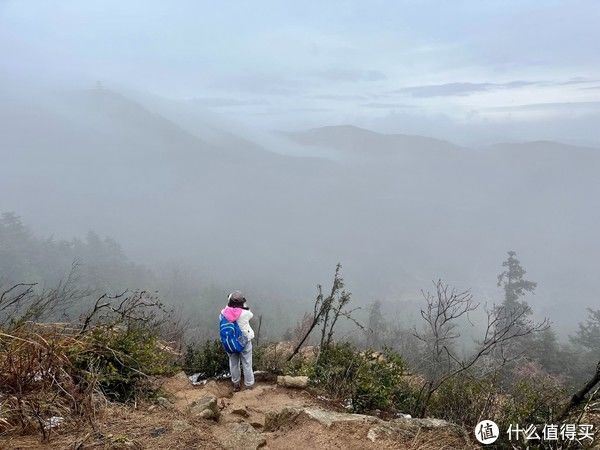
[410, 427]
[328, 418]
[242, 436]
[378, 429]
[162, 401]
[292, 382]
[275, 420]
[206, 408]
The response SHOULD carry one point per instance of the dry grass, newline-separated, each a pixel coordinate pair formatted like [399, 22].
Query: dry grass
[54, 370]
[38, 380]
[124, 426]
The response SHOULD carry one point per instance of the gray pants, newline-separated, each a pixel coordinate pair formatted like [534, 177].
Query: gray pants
[246, 359]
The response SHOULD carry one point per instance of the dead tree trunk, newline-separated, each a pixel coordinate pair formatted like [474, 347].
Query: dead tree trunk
[579, 396]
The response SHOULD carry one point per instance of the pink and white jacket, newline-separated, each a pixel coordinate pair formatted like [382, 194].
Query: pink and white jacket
[242, 316]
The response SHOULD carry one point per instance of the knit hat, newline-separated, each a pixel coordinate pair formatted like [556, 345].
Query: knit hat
[237, 298]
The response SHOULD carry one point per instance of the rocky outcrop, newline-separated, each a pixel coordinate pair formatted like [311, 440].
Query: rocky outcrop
[277, 419]
[300, 382]
[412, 427]
[205, 408]
[242, 436]
[375, 430]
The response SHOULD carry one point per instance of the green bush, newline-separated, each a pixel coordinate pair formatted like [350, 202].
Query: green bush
[533, 397]
[121, 361]
[209, 359]
[371, 380]
[463, 399]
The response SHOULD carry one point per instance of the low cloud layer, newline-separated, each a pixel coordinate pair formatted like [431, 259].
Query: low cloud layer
[279, 66]
[464, 88]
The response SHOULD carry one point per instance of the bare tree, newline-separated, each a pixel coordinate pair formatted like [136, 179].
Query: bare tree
[327, 311]
[124, 308]
[444, 310]
[23, 302]
[320, 309]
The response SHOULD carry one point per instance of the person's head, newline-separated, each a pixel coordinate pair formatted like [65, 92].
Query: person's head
[236, 300]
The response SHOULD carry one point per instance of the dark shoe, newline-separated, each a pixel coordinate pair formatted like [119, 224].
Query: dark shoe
[236, 387]
[247, 388]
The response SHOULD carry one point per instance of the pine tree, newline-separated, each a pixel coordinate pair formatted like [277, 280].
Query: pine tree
[588, 334]
[513, 282]
[513, 308]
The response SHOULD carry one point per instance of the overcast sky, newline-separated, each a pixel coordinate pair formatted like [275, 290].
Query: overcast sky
[464, 70]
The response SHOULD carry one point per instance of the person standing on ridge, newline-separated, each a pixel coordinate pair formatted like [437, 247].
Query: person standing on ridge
[236, 336]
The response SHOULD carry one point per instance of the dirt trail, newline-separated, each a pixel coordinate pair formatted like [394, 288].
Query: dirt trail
[258, 401]
[296, 420]
[312, 424]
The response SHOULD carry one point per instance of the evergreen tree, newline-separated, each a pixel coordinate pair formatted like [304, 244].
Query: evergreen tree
[588, 334]
[515, 310]
[513, 282]
[376, 326]
[515, 286]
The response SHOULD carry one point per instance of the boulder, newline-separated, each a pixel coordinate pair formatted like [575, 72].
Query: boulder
[300, 382]
[205, 408]
[241, 436]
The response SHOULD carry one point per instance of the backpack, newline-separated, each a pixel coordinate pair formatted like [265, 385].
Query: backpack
[232, 338]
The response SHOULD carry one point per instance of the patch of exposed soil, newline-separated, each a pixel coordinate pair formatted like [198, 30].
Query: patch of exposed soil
[172, 425]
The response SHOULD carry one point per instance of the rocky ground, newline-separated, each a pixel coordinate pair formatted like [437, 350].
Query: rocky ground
[269, 416]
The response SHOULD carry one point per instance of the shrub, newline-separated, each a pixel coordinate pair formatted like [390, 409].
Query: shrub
[463, 400]
[121, 361]
[533, 397]
[51, 370]
[209, 359]
[370, 380]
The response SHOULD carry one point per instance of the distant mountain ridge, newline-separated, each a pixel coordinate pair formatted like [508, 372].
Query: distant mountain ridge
[360, 142]
[397, 210]
[354, 140]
